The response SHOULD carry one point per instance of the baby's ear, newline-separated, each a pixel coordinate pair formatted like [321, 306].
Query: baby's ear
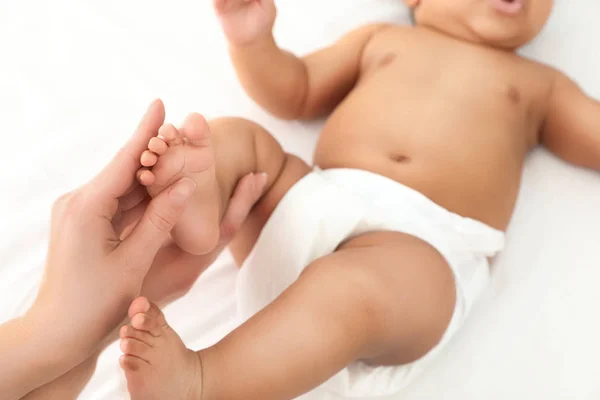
[412, 3]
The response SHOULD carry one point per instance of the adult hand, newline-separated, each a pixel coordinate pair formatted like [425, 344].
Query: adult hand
[172, 274]
[91, 275]
[93, 271]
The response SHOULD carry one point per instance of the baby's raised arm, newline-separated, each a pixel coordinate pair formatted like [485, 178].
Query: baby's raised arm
[285, 85]
[572, 127]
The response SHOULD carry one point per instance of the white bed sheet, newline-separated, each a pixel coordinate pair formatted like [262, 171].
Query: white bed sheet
[75, 77]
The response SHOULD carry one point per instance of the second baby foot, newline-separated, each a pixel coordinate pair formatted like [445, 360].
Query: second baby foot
[188, 152]
[156, 362]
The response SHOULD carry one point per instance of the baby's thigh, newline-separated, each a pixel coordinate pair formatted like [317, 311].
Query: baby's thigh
[412, 293]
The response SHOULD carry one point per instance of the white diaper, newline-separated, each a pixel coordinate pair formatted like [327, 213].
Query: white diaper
[327, 207]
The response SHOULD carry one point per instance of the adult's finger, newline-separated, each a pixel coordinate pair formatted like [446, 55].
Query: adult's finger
[160, 217]
[133, 198]
[127, 221]
[246, 194]
[117, 177]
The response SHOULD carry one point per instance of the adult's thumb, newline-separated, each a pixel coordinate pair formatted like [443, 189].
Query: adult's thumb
[161, 215]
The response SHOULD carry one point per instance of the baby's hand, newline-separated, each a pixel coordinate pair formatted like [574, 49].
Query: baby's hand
[246, 21]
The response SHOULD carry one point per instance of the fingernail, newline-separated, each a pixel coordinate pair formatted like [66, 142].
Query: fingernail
[181, 192]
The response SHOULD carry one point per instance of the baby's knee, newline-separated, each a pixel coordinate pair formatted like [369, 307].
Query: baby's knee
[241, 129]
[252, 138]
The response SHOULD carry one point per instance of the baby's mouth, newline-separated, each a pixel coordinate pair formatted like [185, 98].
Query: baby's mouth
[508, 7]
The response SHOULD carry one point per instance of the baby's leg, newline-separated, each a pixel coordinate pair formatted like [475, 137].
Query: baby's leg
[216, 156]
[383, 298]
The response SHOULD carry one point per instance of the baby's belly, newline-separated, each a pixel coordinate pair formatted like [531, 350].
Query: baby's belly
[477, 183]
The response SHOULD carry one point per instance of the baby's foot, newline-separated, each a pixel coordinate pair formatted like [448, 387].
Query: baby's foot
[173, 155]
[157, 364]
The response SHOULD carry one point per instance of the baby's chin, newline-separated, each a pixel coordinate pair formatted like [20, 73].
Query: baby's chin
[508, 35]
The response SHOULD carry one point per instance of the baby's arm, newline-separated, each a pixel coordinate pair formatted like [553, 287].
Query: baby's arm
[572, 128]
[285, 85]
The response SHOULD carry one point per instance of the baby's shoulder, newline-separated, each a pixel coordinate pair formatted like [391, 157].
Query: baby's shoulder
[391, 33]
[375, 39]
[376, 31]
[537, 71]
[387, 37]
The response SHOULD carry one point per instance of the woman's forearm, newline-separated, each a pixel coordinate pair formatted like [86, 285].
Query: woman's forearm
[29, 357]
[69, 385]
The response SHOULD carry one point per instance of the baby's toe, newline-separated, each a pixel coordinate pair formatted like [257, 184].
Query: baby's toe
[139, 305]
[146, 323]
[170, 135]
[129, 332]
[158, 146]
[195, 129]
[148, 158]
[151, 321]
[131, 363]
[146, 177]
[136, 348]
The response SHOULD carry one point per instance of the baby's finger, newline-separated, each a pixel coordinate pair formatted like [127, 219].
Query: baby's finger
[246, 194]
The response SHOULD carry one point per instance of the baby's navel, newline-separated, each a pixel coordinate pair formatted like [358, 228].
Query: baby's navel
[399, 158]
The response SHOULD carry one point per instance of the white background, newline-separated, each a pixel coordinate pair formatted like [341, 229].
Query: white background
[75, 76]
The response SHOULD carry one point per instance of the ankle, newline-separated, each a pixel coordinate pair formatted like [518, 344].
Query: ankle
[196, 391]
[207, 385]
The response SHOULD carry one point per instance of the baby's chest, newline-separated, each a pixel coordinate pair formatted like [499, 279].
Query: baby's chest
[490, 85]
[456, 70]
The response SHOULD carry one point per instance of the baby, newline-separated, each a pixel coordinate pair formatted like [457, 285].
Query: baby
[368, 263]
